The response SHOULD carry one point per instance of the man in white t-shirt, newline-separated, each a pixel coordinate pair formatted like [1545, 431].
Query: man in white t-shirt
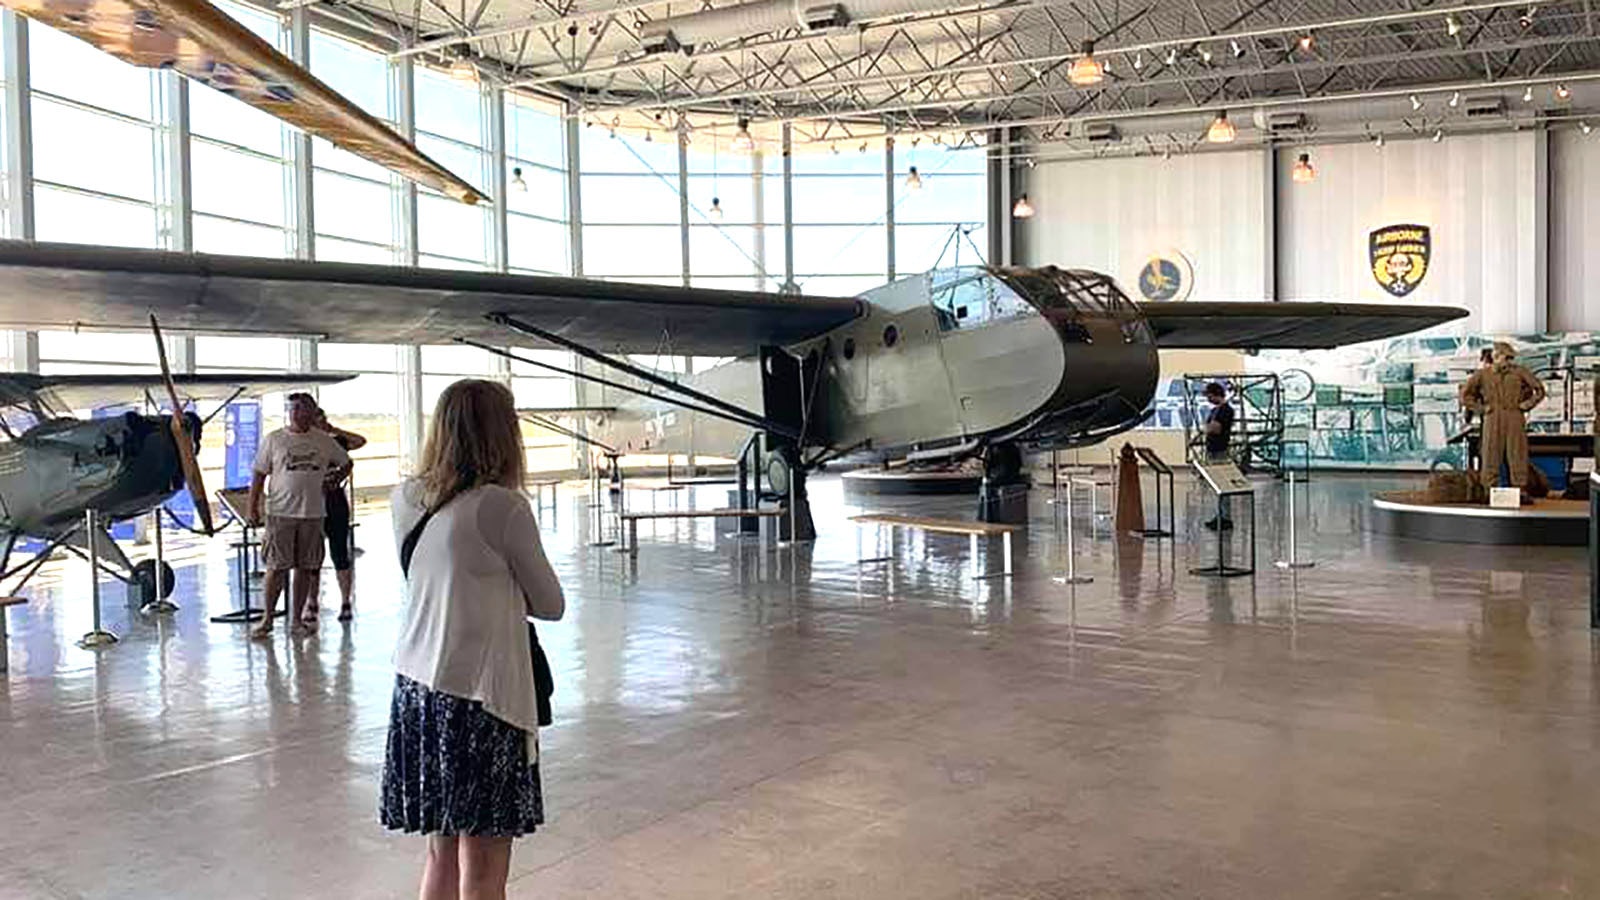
[291, 468]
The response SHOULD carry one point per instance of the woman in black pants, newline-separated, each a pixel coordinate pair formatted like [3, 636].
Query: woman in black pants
[336, 525]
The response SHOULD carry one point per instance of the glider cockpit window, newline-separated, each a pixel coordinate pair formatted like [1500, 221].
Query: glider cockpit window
[972, 298]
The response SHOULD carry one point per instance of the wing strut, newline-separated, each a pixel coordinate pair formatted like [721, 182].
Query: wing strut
[747, 419]
[753, 419]
[542, 422]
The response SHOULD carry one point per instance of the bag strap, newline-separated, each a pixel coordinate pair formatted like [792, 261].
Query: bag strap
[409, 545]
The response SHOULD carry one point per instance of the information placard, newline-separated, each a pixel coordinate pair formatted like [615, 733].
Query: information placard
[1224, 477]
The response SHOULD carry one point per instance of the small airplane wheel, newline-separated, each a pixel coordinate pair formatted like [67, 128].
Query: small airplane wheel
[778, 473]
[144, 576]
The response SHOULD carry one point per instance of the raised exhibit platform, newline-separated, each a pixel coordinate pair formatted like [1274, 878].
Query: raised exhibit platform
[1547, 522]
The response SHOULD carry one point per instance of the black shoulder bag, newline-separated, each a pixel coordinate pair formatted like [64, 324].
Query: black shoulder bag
[544, 682]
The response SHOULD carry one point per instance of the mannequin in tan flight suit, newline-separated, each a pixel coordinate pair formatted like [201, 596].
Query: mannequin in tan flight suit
[1502, 394]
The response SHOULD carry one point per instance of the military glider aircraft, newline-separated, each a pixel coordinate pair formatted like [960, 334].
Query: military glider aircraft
[59, 468]
[953, 363]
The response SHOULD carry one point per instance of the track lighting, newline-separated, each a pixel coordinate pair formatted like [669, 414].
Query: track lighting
[1086, 69]
[1172, 56]
[1205, 55]
[1416, 103]
[516, 180]
[1034, 163]
[913, 180]
[1527, 94]
[1306, 42]
[1377, 140]
[1303, 172]
[1438, 135]
[1585, 127]
[1138, 62]
[1221, 130]
[1455, 99]
[1563, 93]
[1526, 19]
[715, 213]
[1238, 51]
[1022, 209]
[742, 141]
[1452, 24]
[1000, 76]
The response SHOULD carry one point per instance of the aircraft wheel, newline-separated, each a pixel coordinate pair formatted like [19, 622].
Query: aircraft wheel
[778, 474]
[144, 576]
[1002, 463]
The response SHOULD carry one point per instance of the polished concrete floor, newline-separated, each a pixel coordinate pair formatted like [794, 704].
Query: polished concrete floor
[1403, 720]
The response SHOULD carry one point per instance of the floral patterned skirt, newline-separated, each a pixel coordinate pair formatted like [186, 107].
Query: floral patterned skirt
[452, 768]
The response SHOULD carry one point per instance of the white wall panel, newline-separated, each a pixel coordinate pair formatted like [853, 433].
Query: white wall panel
[1479, 195]
[1574, 231]
[1112, 215]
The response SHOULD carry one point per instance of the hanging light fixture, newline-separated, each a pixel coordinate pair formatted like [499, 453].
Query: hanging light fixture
[1527, 94]
[1221, 130]
[1455, 99]
[1585, 127]
[1438, 135]
[1377, 140]
[1138, 62]
[715, 213]
[742, 141]
[1526, 19]
[1172, 56]
[1022, 209]
[1086, 69]
[1452, 24]
[1563, 93]
[1306, 42]
[1205, 55]
[1416, 103]
[1303, 172]
[914, 180]
[1238, 51]
[461, 68]
[516, 179]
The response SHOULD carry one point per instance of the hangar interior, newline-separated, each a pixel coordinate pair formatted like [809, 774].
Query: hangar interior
[744, 717]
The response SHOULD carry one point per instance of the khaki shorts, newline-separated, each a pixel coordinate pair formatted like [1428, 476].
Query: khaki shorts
[292, 544]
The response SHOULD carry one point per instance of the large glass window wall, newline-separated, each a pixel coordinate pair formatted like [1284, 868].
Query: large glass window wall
[243, 189]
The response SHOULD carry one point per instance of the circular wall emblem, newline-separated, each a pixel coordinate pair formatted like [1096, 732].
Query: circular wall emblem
[1167, 276]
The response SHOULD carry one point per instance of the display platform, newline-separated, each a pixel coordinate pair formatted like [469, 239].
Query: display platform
[1548, 522]
[924, 482]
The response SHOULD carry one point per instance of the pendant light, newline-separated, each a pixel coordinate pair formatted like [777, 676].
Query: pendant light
[1221, 130]
[1022, 209]
[742, 141]
[913, 180]
[516, 180]
[1303, 172]
[715, 213]
[461, 68]
[1086, 70]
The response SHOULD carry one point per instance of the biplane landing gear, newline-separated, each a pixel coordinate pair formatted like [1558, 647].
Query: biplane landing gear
[786, 481]
[1003, 496]
[144, 585]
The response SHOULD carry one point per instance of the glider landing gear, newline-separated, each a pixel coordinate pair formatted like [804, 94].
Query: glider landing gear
[1003, 496]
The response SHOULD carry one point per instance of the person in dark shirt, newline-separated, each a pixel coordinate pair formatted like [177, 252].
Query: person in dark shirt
[1218, 435]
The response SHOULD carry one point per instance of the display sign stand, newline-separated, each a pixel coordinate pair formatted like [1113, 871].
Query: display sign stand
[1594, 550]
[1226, 481]
[1162, 470]
[236, 501]
[1294, 561]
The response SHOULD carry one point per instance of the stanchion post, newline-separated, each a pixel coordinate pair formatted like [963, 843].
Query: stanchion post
[1072, 576]
[1293, 562]
[98, 637]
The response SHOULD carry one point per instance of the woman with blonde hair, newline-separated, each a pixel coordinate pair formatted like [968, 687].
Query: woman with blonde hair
[462, 763]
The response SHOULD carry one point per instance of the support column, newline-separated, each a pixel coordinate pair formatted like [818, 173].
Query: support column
[759, 197]
[789, 287]
[495, 120]
[574, 196]
[408, 371]
[19, 127]
[402, 92]
[177, 210]
[1269, 215]
[683, 202]
[888, 201]
[999, 207]
[1538, 318]
[305, 226]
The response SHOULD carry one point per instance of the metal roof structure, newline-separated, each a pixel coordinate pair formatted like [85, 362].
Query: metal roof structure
[855, 67]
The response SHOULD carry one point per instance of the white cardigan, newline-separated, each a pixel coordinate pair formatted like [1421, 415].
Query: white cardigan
[477, 572]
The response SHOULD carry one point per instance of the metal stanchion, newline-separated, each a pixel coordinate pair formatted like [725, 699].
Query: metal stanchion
[1072, 576]
[1294, 561]
[98, 637]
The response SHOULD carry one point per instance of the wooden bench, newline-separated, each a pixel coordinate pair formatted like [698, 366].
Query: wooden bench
[973, 531]
[5, 640]
[632, 519]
